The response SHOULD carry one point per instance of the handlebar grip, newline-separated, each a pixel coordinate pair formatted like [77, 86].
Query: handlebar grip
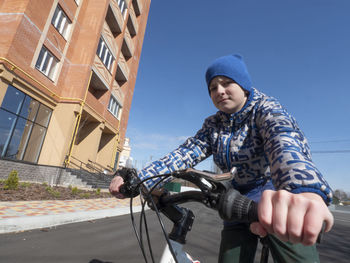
[122, 190]
[236, 207]
[253, 212]
[129, 190]
[321, 234]
[130, 187]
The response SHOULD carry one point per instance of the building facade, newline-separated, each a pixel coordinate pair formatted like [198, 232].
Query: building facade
[67, 75]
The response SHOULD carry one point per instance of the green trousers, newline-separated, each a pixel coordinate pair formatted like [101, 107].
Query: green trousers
[238, 244]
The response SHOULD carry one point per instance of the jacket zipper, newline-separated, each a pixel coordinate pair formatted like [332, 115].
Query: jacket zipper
[228, 147]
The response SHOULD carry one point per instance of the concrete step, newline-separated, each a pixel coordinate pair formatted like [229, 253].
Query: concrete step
[92, 179]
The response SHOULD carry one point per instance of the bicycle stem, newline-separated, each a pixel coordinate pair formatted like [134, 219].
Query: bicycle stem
[183, 220]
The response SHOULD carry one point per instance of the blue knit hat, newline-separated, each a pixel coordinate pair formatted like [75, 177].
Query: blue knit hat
[233, 67]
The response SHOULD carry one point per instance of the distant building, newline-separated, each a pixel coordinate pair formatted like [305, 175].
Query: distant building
[125, 159]
[67, 77]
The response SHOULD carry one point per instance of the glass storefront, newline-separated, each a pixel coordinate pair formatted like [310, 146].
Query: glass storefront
[23, 125]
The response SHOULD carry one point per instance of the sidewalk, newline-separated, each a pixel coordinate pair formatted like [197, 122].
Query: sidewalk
[26, 215]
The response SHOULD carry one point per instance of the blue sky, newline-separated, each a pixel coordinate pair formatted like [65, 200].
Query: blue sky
[297, 51]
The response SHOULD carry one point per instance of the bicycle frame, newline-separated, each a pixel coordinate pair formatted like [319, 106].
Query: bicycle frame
[181, 255]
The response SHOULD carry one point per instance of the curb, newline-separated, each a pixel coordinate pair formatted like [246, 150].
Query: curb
[11, 225]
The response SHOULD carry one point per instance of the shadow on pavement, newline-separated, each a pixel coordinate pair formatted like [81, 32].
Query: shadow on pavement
[99, 261]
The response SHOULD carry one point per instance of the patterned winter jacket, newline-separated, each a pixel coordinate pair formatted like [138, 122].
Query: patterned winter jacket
[262, 141]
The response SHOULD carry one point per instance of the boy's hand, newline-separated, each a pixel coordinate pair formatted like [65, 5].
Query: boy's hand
[297, 218]
[115, 185]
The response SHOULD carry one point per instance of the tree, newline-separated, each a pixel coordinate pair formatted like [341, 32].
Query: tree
[341, 195]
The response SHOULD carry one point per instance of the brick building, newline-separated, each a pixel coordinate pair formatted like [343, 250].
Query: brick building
[67, 77]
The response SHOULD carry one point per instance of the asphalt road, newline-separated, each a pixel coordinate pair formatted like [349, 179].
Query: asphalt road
[113, 240]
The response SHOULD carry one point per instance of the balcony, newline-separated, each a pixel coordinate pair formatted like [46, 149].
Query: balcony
[101, 70]
[128, 46]
[132, 23]
[122, 73]
[108, 36]
[114, 18]
[97, 83]
[117, 92]
[137, 6]
[97, 89]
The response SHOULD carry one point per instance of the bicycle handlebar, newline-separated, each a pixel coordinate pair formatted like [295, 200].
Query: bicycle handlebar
[215, 192]
[231, 205]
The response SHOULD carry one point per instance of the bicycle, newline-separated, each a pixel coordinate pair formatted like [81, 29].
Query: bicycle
[214, 191]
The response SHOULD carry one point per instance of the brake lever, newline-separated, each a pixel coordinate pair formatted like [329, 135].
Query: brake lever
[212, 176]
[206, 181]
[196, 178]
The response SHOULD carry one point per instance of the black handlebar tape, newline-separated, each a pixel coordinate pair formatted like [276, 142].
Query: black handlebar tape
[236, 207]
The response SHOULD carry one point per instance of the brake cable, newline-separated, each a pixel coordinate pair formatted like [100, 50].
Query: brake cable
[143, 215]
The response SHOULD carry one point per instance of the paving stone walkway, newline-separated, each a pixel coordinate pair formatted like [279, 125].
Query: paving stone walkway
[25, 215]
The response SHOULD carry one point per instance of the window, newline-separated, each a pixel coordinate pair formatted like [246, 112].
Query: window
[24, 122]
[123, 7]
[47, 63]
[105, 54]
[114, 107]
[61, 21]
